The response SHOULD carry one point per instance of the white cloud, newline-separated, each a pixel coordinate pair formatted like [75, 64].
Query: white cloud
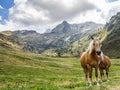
[33, 12]
[107, 9]
[89, 16]
[41, 14]
[113, 9]
[0, 17]
[10, 25]
[59, 10]
[1, 7]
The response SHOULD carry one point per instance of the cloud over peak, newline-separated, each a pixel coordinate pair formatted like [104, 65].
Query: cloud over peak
[39, 14]
[33, 12]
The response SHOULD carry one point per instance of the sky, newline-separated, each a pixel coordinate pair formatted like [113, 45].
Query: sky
[41, 15]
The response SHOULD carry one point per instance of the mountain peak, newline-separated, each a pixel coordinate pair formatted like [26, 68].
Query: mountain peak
[65, 22]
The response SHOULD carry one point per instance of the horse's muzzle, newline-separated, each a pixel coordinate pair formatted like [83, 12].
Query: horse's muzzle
[98, 52]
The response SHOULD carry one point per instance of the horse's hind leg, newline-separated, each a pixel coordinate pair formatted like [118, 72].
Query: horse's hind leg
[96, 74]
[101, 74]
[107, 73]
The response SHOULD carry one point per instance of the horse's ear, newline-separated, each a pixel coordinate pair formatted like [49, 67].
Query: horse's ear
[99, 38]
[92, 37]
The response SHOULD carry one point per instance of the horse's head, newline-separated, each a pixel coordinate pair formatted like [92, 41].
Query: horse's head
[97, 46]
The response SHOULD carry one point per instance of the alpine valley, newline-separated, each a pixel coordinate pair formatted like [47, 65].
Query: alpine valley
[65, 39]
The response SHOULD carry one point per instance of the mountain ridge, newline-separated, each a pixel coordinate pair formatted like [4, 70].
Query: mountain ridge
[60, 37]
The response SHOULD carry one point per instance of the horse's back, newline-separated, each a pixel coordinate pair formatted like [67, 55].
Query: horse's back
[105, 63]
[107, 59]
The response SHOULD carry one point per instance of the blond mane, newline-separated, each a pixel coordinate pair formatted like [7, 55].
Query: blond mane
[90, 47]
[102, 56]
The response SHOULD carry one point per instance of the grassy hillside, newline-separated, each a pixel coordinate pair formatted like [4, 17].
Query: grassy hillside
[81, 45]
[112, 41]
[8, 40]
[27, 71]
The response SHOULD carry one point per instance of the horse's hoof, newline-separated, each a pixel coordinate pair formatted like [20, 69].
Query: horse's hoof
[101, 81]
[86, 84]
[98, 84]
[90, 85]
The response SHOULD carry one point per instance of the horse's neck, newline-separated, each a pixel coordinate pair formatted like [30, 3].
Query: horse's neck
[94, 56]
[93, 53]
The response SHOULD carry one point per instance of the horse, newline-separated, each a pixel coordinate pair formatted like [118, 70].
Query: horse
[90, 59]
[105, 63]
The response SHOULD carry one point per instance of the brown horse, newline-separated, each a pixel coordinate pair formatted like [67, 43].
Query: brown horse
[104, 65]
[91, 59]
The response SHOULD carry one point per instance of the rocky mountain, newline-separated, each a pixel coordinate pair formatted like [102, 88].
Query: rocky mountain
[71, 37]
[61, 36]
[112, 42]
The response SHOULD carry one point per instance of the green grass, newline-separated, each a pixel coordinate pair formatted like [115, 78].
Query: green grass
[27, 71]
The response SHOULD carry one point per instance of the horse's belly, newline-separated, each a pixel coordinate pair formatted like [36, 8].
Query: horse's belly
[94, 64]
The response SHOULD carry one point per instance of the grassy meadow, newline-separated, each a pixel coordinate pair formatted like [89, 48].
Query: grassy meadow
[27, 71]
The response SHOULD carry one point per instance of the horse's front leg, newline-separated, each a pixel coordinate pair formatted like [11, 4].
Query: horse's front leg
[101, 73]
[96, 74]
[86, 75]
[90, 75]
